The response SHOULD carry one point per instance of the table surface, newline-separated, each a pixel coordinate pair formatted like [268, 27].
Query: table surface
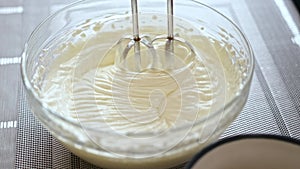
[273, 107]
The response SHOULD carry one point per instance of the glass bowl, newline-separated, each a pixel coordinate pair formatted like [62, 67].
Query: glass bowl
[217, 41]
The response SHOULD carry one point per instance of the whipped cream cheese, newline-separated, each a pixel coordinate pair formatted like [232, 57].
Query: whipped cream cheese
[87, 81]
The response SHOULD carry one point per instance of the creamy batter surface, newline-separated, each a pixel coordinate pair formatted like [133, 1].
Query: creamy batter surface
[87, 80]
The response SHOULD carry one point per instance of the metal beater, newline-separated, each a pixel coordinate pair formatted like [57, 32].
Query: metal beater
[171, 40]
[136, 41]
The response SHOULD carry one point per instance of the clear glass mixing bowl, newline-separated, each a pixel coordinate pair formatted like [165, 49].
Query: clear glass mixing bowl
[109, 149]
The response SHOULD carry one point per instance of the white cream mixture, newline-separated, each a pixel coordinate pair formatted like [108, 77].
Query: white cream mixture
[92, 86]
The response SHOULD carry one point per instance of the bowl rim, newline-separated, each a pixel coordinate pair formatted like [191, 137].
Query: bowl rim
[234, 99]
[224, 141]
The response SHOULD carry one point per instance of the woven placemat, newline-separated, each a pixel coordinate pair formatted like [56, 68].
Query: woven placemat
[270, 108]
